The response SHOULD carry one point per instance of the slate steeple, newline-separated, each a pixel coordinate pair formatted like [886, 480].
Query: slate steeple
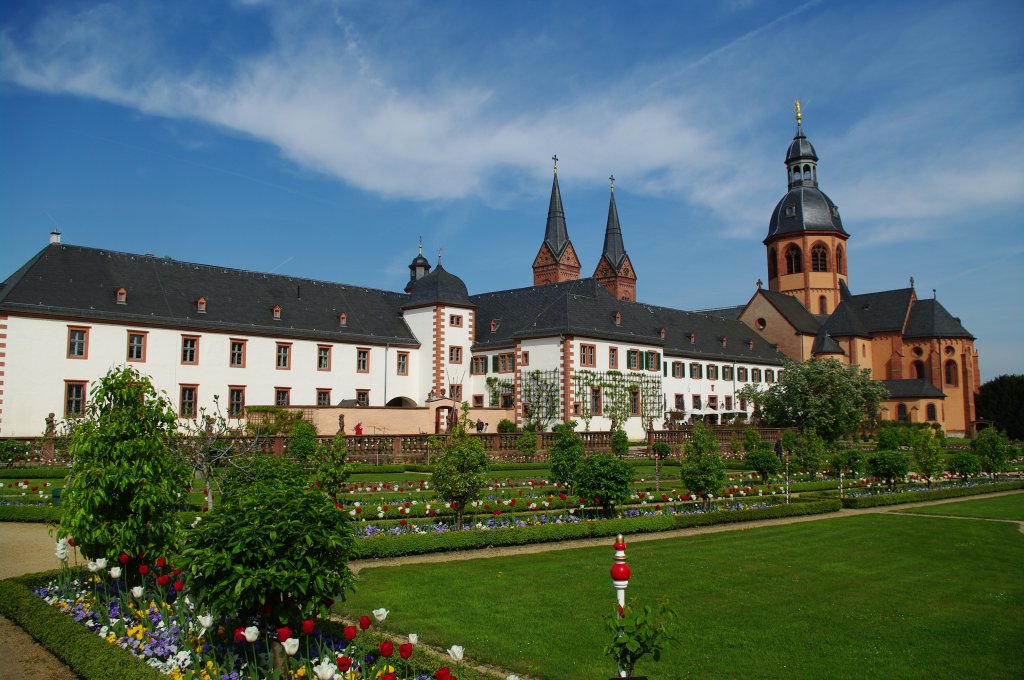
[556, 261]
[614, 270]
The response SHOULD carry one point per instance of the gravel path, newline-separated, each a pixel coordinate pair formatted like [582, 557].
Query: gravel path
[28, 548]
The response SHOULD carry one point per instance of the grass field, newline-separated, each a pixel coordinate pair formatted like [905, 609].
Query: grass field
[876, 596]
[1002, 507]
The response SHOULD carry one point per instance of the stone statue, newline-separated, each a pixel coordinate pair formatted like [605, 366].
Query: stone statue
[51, 427]
[209, 425]
[341, 424]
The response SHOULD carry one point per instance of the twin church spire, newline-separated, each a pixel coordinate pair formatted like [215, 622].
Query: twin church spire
[557, 261]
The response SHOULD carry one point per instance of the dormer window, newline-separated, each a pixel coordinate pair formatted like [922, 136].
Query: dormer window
[121, 296]
[750, 344]
[342, 319]
[725, 341]
[790, 211]
[618, 318]
[662, 332]
[276, 312]
[693, 338]
[494, 325]
[201, 305]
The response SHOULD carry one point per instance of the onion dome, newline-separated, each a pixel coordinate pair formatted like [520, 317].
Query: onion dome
[439, 286]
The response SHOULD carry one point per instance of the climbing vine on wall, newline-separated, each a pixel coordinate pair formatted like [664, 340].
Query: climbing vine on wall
[623, 395]
[496, 388]
[541, 397]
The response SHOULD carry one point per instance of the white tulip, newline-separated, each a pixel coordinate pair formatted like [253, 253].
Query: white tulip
[206, 620]
[92, 566]
[413, 638]
[101, 563]
[137, 592]
[325, 670]
[456, 652]
[252, 634]
[380, 614]
[291, 645]
[512, 677]
[115, 572]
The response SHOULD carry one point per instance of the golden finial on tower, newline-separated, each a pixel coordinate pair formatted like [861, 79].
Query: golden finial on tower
[799, 115]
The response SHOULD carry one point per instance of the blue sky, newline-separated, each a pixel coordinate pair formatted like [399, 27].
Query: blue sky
[322, 139]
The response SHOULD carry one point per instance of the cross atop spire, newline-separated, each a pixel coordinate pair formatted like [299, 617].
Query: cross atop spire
[611, 178]
[555, 159]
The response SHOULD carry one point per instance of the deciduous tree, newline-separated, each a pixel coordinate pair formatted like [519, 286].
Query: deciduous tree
[1001, 400]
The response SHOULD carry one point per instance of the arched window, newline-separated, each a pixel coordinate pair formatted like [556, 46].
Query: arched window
[793, 264]
[773, 264]
[822, 305]
[839, 260]
[951, 374]
[918, 370]
[807, 172]
[930, 410]
[901, 412]
[819, 258]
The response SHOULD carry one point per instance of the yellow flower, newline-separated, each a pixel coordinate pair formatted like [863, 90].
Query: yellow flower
[111, 638]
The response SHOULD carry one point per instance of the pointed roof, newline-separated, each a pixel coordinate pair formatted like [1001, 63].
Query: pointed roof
[614, 250]
[825, 344]
[845, 322]
[929, 319]
[794, 312]
[885, 310]
[556, 235]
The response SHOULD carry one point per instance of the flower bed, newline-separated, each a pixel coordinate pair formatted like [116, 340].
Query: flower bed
[103, 628]
[881, 496]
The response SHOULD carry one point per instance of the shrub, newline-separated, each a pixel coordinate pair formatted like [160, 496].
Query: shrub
[125, 479]
[639, 631]
[928, 451]
[620, 443]
[964, 463]
[459, 471]
[927, 495]
[506, 426]
[661, 450]
[702, 470]
[331, 467]
[12, 452]
[762, 460]
[605, 479]
[263, 468]
[993, 449]
[811, 451]
[889, 465]
[270, 550]
[526, 444]
[302, 442]
[565, 453]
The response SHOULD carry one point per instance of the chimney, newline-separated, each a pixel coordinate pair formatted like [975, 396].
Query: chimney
[54, 236]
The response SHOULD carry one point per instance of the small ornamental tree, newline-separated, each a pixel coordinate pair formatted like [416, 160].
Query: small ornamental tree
[620, 443]
[271, 551]
[751, 439]
[811, 452]
[965, 464]
[506, 426]
[639, 632]
[565, 453]
[661, 451]
[702, 469]
[993, 449]
[526, 444]
[762, 460]
[604, 480]
[789, 441]
[125, 479]
[262, 468]
[889, 465]
[331, 465]
[302, 442]
[928, 451]
[459, 471]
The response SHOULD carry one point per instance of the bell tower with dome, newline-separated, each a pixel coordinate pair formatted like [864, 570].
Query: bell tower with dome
[806, 242]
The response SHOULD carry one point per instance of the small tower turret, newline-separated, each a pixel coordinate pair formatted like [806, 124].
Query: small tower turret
[418, 268]
[556, 261]
[614, 270]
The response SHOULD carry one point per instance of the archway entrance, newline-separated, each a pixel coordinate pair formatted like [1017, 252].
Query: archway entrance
[443, 417]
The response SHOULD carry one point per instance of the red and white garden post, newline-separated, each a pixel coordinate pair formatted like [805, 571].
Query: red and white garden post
[620, 579]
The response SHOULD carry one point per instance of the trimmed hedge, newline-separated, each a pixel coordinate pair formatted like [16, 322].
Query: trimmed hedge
[89, 655]
[29, 513]
[35, 473]
[419, 544]
[925, 495]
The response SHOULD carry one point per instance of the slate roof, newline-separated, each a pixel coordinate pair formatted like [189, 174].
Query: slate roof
[883, 311]
[800, 148]
[556, 234]
[929, 319]
[794, 312]
[439, 286]
[826, 344]
[811, 210]
[911, 389]
[614, 250]
[74, 281]
[845, 322]
[585, 307]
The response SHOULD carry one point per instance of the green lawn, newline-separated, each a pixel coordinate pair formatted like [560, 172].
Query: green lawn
[1002, 507]
[878, 596]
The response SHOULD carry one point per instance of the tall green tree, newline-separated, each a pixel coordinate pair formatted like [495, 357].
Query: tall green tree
[928, 451]
[459, 472]
[125, 479]
[702, 469]
[811, 451]
[823, 395]
[604, 479]
[993, 449]
[1001, 400]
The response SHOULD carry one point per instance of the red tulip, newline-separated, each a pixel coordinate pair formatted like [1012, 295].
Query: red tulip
[283, 633]
[161, 562]
[389, 676]
[405, 651]
[364, 622]
[350, 633]
[387, 648]
[442, 673]
[403, 522]
[123, 558]
[143, 568]
[344, 663]
[35, 488]
[179, 585]
[240, 634]
[308, 626]
[176, 572]
[71, 542]
[163, 579]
